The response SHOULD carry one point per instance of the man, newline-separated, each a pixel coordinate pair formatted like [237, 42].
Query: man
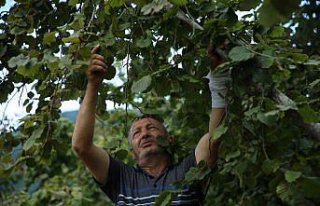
[127, 185]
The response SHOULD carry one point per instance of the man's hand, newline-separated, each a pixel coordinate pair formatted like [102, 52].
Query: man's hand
[97, 68]
[216, 55]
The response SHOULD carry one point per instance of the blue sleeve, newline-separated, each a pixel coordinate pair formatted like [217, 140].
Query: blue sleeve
[188, 162]
[183, 167]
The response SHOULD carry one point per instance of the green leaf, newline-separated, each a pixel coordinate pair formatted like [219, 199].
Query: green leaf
[3, 36]
[116, 3]
[108, 39]
[30, 95]
[269, 15]
[283, 191]
[299, 57]
[17, 30]
[246, 5]
[232, 155]
[249, 126]
[49, 58]
[179, 2]
[49, 37]
[2, 2]
[290, 6]
[28, 144]
[143, 42]
[240, 53]
[111, 73]
[219, 131]
[51, 61]
[314, 83]
[142, 84]
[154, 6]
[292, 176]
[121, 154]
[188, 78]
[278, 32]
[164, 199]
[286, 105]
[3, 50]
[198, 173]
[73, 2]
[308, 114]
[29, 108]
[312, 62]
[311, 187]
[265, 62]
[32, 139]
[147, 9]
[267, 118]
[37, 133]
[30, 70]
[273, 12]
[74, 38]
[19, 60]
[163, 141]
[270, 166]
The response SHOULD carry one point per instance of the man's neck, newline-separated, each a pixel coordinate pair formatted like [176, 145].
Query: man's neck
[154, 165]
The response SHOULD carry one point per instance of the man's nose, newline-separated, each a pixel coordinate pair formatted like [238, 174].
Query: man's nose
[145, 134]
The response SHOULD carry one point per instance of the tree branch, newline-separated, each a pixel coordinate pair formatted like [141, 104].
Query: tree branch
[180, 15]
[312, 128]
[183, 17]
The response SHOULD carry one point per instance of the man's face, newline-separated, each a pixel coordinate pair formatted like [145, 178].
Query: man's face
[144, 134]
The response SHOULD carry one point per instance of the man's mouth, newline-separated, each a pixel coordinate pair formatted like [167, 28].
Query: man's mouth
[146, 144]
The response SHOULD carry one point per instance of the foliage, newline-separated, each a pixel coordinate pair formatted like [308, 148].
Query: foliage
[266, 156]
[307, 37]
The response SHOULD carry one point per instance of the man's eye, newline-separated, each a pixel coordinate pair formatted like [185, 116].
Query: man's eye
[135, 134]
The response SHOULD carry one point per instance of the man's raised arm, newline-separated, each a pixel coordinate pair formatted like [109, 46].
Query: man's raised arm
[207, 148]
[95, 158]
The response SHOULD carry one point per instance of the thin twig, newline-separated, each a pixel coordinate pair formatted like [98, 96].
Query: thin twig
[126, 90]
[140, 110]
[264, 148]
[247, 45]
[92, 16]
[7, 103]
[192, 19]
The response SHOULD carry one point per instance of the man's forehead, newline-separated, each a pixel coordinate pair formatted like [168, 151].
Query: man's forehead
[144, 121]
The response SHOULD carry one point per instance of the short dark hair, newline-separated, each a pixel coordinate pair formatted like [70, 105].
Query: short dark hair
[153, 116]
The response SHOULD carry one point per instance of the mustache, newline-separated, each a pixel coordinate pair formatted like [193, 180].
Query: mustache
[149, 139]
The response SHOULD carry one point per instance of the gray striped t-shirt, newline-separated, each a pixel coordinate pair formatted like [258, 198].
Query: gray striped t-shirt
[128, 185]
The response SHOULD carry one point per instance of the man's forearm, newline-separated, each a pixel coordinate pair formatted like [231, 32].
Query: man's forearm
[216, 117]
[84, 127]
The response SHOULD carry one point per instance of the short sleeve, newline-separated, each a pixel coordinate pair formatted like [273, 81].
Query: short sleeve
[188, 162]
[180, 172]
[112, 186]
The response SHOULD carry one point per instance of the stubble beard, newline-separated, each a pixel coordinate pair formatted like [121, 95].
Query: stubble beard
[151, 152]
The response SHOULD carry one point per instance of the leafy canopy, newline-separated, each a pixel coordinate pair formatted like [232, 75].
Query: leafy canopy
[267, 154]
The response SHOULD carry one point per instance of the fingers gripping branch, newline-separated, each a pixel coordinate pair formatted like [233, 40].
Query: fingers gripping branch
[98, 67]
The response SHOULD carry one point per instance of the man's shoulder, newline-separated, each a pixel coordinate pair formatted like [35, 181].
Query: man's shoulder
[185, 164]
[121, 165]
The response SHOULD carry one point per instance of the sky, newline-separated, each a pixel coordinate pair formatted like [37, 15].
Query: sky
[7, 6]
